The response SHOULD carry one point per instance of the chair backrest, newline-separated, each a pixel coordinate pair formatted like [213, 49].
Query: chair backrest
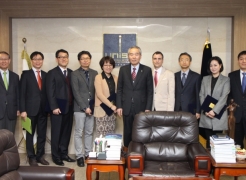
[9, 156]
[165, 135]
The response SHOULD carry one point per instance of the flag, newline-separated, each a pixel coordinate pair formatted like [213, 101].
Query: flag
[207, 54]
[26, 62]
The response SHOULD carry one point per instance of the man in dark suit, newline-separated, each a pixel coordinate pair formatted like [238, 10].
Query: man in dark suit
[9, 94]
[187, 87]
[238, 93]
[134, 91]
[32, 104]
[82, 81]
[60, 99]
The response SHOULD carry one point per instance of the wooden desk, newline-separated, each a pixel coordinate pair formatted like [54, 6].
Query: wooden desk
[170, 178]
[105, 166]
[231, 169]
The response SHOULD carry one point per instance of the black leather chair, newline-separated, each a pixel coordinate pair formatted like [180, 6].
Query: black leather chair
[10, 168]
[166, 144]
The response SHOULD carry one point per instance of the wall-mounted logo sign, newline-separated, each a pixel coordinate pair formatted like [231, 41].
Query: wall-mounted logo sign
[117, 45]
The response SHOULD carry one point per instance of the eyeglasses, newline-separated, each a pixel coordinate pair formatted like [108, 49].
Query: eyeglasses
[37, 59]
[4, 59]
[84, 59]
[134, 54]
[108, 65]
[62, 57]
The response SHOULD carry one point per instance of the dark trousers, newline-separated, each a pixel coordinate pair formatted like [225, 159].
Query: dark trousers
[128, 121]
[208, 133]
[39, 121]
[61, 127]
[240, 132]
[6, 123]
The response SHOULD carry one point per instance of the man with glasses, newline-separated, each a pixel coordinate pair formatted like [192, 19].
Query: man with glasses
[9, 94]
[84, 95]
[32, 105]
[134, 91]
[60, 99]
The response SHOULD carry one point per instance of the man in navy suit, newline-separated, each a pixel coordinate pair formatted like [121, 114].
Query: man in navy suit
[134, 91]
[9, 94]
[238, 93]
[32, 104]
[187, 87]
[60, 99]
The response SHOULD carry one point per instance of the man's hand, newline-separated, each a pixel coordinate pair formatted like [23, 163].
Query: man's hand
[147, 110]
[88, 111]
[119, 112]
[198, 115]
[23, 116]
[56, 111]
[18, 113]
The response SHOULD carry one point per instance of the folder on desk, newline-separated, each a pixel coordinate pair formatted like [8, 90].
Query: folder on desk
[209, 104]
[27, 125]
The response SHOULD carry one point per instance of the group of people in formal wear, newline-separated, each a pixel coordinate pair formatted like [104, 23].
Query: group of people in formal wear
[90, 98]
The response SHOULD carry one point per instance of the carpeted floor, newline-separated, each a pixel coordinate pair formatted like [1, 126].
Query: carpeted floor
[80, 172]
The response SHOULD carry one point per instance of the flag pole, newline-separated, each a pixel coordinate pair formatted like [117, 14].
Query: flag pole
[24, 40]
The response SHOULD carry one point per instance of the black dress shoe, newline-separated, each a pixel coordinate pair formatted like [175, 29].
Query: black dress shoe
[68, 159]
[80, 162]
[58, 162]
[43, 161]
[33, 162]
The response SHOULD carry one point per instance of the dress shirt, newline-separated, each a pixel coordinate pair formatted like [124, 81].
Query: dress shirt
[36, 73]
[7, 74]
[62, 69]
[158, 73]
[241, 76]
[186, 73]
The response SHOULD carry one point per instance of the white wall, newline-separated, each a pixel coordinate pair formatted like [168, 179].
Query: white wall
[171, 36]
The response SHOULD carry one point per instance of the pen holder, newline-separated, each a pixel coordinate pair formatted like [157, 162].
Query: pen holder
[99, 148]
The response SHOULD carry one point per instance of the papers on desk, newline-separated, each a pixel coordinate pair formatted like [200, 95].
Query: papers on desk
[27, 125]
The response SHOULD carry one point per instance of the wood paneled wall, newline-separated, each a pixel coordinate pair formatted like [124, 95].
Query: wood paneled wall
[114, 8]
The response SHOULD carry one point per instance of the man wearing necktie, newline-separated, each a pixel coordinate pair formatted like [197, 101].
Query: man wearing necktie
[187, 87]
[238, 94]
[9, 94]
[163, 85]
[33, 101]
[134, 91]
[82, 81]
[60, 97]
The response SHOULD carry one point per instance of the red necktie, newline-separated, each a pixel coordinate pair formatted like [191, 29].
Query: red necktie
[133, 74]
[39, 80]
[155, 78]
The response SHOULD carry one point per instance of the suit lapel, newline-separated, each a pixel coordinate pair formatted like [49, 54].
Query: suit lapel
[60, 73]
[1, 81]
[178, 83]
[82, 75]
[129, 74]
[161, 76]
[188, 79]
[217, 84]
[34, 79]
[139, 75]
[238, 81]
[208, 85]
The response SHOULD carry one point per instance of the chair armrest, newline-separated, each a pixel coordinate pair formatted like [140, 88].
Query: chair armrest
[135, 163]
[46, 172]
[199, 159]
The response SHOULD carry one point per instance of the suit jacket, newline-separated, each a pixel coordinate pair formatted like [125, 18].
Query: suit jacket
[220, 92]
[9, 99]
[187, 96]
[140, 92]
[237, 94]
[57, 89]
[164, 91]
[102, 94]
[82, 90]
[31, 97]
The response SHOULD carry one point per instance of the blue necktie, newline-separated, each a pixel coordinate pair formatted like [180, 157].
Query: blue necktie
[183, 79]
[244, 82]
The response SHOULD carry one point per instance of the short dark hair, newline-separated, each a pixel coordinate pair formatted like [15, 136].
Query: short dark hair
[4, 52]
[185, 53]
[106, 59]
[84, 52]
[61, 51]
[240, 54]
[35, 53]
[158, 52]
[216, 58]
